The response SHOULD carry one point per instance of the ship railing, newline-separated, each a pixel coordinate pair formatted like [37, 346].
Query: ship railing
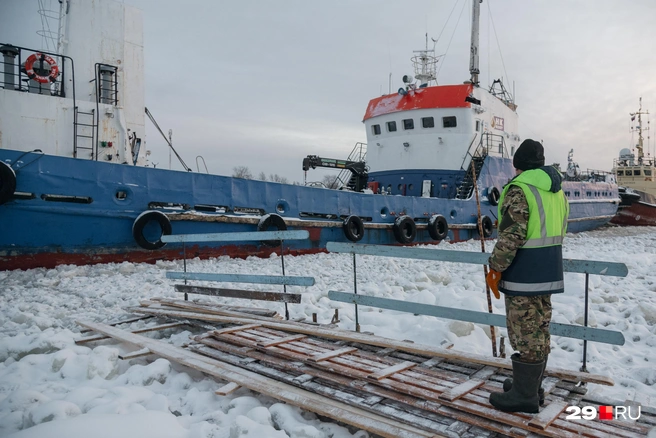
[359, 153]
[269, 238]
[587, 267]
[14, 77]
[488, 144]
[634, 162]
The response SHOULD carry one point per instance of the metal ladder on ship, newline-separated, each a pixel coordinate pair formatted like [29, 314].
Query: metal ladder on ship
[81, 133]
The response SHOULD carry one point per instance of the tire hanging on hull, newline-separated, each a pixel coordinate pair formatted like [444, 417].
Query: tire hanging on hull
[353, 228]
[493, 195]
[488, 226]
[438, 227]
[7, 182]
[405, 229]
[140, 224]
[268, 221]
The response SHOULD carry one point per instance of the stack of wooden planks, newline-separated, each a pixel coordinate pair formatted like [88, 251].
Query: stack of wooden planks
[390, 388]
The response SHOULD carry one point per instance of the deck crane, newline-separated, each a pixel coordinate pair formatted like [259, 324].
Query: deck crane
[358, 169]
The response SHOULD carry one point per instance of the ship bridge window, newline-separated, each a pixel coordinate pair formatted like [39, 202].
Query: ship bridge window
[449, 122]
[647, 172]
[478, 125]
[636, 172]
[620, 173]
[628, 173]
[408, 124]
[375, 129]
[391, 126]
[427, 122]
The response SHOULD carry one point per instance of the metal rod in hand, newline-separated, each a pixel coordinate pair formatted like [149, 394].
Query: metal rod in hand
[355, 290]
[284, 286]
[480, 232]
[585, 324]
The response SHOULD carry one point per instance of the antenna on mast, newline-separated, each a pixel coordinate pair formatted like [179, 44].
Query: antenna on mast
[473, 56]
[639, 146]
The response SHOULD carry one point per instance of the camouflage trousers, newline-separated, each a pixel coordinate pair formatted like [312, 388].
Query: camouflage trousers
[527, 320]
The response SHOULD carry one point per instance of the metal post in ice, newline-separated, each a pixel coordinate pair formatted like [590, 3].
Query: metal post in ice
[585, 323]
[284, 286]
[184, 261]
[355, 290]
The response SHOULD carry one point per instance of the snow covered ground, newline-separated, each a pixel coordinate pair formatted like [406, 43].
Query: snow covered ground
[51, 387]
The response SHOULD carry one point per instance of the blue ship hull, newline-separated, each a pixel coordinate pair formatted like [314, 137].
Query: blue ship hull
[77, 211]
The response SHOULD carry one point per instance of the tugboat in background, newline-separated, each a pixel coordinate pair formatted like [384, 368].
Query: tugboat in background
[635, 176]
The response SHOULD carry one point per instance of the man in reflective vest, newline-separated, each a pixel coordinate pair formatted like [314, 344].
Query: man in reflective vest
[527, 266]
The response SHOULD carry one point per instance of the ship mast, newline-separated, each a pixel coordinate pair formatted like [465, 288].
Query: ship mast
[639, 146]
[473, 55]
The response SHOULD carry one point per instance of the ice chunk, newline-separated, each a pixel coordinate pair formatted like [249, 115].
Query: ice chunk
[103, 362]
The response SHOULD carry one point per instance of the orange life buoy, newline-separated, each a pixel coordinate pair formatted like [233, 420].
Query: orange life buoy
[29, 68]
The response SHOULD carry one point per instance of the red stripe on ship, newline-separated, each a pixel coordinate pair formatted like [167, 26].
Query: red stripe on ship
[443, 96]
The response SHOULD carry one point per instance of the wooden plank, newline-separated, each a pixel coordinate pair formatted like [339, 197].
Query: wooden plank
[141, 330]
[547, 415]
[476, 258]
[331, 354]
[277, 342]
[484, 373]
[431, 362]
[125, 321]
[462, 389]
[242, 278]
[209, 307]
[386, 372]
[236, 328]
[281, 391]
[135, 354]
[557, 329]
[335, 333]
[239, 293]
[237, 236]
[227, 389]
[548, 384]
[349, 377]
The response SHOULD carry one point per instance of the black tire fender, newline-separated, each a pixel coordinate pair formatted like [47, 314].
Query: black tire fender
[353, 228]
[493, 195]
[487, 225]
[269, 221]
[7, 182]
[438, 227]
[140, 223]
[405, 229]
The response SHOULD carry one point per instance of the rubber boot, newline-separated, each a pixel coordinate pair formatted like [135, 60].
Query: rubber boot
[523, 395]
[507, 384]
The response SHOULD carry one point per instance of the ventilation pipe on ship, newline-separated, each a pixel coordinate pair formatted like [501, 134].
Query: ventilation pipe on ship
[9, 53]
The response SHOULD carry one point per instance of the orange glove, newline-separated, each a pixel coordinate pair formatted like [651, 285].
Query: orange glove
[492, 279]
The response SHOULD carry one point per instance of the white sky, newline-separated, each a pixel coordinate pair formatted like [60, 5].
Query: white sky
[264, 84]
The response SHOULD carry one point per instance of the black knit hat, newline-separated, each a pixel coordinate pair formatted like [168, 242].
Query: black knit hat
[529, 155]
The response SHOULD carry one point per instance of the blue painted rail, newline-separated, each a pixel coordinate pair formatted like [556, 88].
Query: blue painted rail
[476, 258]
[566, 330]
[586, 267]
[237, 237]
[242, 278]
[270, 236]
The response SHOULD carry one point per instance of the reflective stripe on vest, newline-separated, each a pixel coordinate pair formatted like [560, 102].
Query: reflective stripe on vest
[534, 287]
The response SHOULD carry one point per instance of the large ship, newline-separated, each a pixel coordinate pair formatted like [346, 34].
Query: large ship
[636, 176]
[76, 186]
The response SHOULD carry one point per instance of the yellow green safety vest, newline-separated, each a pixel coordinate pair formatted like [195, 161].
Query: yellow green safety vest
[537, 268]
